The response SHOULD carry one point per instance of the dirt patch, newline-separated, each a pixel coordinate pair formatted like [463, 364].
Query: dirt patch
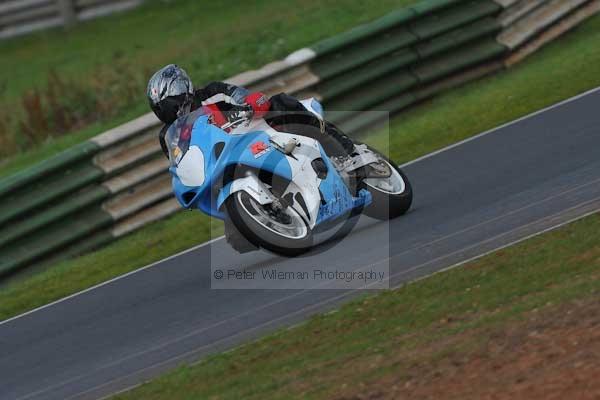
[552, 354]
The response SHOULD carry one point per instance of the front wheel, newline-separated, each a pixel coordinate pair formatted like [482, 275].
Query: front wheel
[392, 193]
[282, 231]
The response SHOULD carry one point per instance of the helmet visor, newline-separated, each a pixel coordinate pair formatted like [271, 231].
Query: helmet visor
[173, 107]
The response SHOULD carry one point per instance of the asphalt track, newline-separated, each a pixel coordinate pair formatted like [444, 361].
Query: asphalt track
[496, 189]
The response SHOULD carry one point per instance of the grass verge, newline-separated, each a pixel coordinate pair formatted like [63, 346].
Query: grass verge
[388, 335]
[545, 78]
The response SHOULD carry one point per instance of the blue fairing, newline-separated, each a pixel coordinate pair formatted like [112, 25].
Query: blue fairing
[234, 151]
[317, 107]
[337, 197]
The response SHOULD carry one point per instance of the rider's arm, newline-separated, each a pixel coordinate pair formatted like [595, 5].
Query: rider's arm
[237, 97]
[216, 92]
[161, 139]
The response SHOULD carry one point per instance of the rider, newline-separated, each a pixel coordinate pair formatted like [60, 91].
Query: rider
[171, 95]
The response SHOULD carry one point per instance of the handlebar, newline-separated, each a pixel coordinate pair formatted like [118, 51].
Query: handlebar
[243, 117]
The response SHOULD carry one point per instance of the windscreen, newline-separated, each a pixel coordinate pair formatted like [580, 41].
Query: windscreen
[179, 134]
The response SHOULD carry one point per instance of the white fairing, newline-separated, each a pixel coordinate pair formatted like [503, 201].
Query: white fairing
[190, 169]
[304, 178]
[253, 187]
[312, 105]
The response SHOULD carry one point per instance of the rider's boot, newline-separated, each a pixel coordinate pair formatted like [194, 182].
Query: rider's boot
[349, 156]
[360, 157]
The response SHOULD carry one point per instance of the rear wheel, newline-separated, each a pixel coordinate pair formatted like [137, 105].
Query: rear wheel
[392, 192]
[280, 230]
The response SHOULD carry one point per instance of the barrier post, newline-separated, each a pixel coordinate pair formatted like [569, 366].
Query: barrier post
[67, 11]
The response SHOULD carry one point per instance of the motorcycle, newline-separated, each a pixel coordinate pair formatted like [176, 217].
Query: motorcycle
[274, 189]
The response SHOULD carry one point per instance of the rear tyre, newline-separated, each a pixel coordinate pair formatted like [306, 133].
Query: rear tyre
[284, 232]
[392, 196]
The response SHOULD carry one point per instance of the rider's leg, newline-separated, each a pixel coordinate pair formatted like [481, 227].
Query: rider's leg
[346, 143]
[288, 114]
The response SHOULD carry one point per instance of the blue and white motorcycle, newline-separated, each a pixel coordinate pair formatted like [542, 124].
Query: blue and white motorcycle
[274, 189]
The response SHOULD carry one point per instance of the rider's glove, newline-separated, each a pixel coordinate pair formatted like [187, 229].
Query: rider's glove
[238, 114]
[259, 102]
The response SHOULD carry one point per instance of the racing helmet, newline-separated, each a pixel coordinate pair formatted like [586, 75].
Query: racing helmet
[170, 93]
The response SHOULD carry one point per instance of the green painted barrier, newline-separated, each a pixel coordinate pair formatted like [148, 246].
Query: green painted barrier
[397, 103]
[464, 57]
[463, 13]
[347, 81]
[362, 53]
[76, 153]
[426, 7]
[457, 37]
[381, 25]
[25, 199]
[37, 206]
[367, 73]
[71, 204]
[52, 238]
[365, 31]
[367, 96]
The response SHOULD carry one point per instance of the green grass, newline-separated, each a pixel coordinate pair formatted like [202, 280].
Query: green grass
[376, 336]
[212, 40]
[543, 79]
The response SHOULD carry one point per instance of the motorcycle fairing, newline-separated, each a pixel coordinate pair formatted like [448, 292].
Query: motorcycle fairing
[337, 198]
[204, 153]
[220, 152]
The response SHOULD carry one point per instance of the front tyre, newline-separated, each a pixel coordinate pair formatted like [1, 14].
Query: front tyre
[283, 231]
[392, 195]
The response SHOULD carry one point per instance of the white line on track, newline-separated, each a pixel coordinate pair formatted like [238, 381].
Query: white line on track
[111, 280]
[589, 92]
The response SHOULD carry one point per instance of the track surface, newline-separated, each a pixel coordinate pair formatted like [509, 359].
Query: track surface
[486, 193]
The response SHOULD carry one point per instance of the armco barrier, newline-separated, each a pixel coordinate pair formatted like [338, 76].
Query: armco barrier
[118, 181]
[19, 17]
